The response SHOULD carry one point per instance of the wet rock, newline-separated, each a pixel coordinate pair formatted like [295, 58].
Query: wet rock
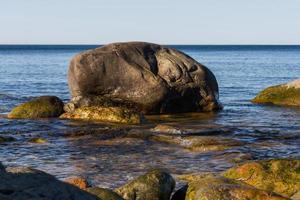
[40, 107]
[180, 194]
[280, 176]
[199, 143]
[296, 196]
[163, 128]
[6, 139]
[105, 194]
[37, 140]
[22, 183]
[105, 114]
[155, 185]
[79, 182]
[214, 187]
[154, 78]
[283, 95]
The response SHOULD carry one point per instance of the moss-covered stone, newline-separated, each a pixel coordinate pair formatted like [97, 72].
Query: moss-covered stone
[105, 114]
[105, 194]
[155, 185]
[214, 187]
[279, 95]
[280, 176]
[37, 140]
[40, 107]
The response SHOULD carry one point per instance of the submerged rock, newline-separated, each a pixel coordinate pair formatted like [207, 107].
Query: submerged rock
[105, 114]
[155, 185]
[105, 194]
[283, 95]
[37, 140]
[214, 187]
[22, 183]
[280, 176]
[198, 143]
[40, 107]
[155, 79]
[6, 139]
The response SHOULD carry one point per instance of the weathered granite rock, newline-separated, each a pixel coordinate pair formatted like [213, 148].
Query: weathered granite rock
[214, 187]
[22, 183]
[105, 194]
[280, 176]
[154, 78]
[105, 114]
[155, 185]
[40, 107]
[283, 95]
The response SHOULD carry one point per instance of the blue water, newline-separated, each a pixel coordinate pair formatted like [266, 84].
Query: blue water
[241, 71]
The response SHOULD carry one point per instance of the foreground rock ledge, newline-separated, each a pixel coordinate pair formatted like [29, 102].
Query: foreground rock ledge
[154, 78]
[284, 95]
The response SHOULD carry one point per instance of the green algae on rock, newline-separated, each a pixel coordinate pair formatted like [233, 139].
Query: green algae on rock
[155, 185]
[214, 187]
[283, 95]
[40, 107]
[281, 176]
[105, 194]
[37, 140]
[105, 114]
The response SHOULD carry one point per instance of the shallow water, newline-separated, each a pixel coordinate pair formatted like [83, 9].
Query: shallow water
[109, 160]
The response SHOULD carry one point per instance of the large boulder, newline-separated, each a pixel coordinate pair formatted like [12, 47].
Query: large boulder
[40, 107]
[281, 176]
[284, 95]
[154, 78]
[22, 183]
[155, 185]
[214, 187]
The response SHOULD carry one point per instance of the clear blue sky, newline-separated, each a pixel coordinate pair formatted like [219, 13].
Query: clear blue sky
[160, 21]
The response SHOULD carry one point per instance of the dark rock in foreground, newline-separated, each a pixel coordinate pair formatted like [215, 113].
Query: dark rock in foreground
[21, 183]
[283, 95]
[40, 107]
[155, 185]
[155, 79]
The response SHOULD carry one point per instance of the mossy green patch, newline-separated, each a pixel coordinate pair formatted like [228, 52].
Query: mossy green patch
[41, 107]
[37, 140]
[214, 187]
[105, 114]
[155, 185]
[279, 95]
[280, 176]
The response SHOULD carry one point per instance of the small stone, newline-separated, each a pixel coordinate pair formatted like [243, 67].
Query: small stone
[40, 107]
[78, 182]
[105, 194]
[37, 140]
[155, 185]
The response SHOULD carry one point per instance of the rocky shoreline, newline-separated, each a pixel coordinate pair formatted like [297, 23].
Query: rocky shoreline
[261, 180]
[125, 83]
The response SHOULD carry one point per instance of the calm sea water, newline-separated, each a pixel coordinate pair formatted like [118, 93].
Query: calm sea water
[241, 71]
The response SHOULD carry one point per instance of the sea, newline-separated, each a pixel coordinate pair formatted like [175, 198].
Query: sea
[266, 131]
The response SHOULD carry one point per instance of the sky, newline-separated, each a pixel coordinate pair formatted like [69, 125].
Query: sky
[158, 21]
